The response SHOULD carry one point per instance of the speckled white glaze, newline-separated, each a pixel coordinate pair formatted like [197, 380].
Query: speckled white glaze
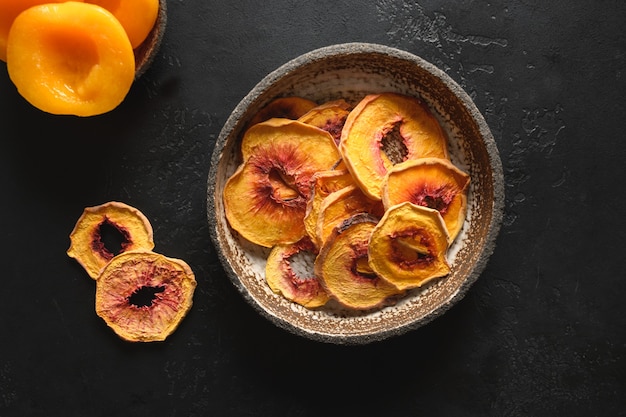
[351, 71]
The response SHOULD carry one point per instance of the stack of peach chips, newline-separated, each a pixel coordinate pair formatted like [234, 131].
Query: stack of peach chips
[74, 57]
[357, 203]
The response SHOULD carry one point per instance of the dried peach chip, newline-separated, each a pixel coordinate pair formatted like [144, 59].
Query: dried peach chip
[265, 199]
[143, 295]
[289, 271]
[430, 182]
[342, 267]
[87, 246]
[408, 246]
[284, 108]
[386, 129]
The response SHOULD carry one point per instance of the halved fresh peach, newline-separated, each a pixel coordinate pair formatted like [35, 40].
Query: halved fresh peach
[340, 205]
[70, 58]
[343, 269]
[329, 116]
[289, 272]
[9, 10]
[265, 199]
[431, 182]
[385, 129]
[408, 246]
[137, 16]
[291, 107]
[323, 184]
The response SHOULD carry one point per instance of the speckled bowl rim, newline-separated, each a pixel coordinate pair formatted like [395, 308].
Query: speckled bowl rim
[490, 147]
[147, 50]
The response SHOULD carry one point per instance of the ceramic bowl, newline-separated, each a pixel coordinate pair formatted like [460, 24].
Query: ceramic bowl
[351, 71]
[144, 53]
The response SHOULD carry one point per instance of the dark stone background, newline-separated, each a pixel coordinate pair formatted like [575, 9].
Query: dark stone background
[542, 332]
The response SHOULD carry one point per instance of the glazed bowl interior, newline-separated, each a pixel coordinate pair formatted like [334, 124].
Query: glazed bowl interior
[350, 71]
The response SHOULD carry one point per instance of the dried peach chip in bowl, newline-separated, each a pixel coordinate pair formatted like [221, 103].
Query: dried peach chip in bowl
[401, 108]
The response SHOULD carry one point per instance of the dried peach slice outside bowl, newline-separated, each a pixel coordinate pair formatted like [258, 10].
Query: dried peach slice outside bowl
[87, 245]
[352, 71]
[143, 295]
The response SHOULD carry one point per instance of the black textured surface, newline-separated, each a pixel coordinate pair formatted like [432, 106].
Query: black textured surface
[541, 333]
